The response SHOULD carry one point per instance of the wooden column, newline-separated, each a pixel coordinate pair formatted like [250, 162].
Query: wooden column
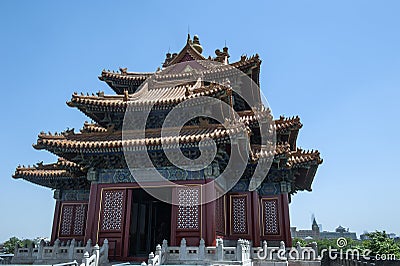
[92, 214]
[56, 221]
[209, 233]
[174, 219]
[255, 214]
[125, 245]
[208, 220]
[286, 220]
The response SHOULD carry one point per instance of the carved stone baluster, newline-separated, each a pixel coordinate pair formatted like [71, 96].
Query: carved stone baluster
[182, 250]
[220, 249]
[202, 250]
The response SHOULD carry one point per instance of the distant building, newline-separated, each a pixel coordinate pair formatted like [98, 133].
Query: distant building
[307, 234]
[315, 233]
[365, 236]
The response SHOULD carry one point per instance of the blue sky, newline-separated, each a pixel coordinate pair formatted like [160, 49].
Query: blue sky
[334, 63]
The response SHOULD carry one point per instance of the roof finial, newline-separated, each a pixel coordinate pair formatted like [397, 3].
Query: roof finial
[188, 36]
[196, 44]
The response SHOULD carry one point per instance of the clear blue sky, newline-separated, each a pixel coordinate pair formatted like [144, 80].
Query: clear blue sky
[334, 63]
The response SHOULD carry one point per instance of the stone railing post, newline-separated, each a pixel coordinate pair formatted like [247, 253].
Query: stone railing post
[182, 250]
[41, 248]
[88, 247]
[299, 251]
[164, 249]
[314, 246]
[265, 248]
[159, 253]
[105, 248]
[220, 249]
[164, 245]
[282, 251]
[239, 250]
[56, 248]
[86, 259]
[71, 250]
[248, 250]
[202, 250]
[150, 261]
[30, 249]
[16, 247]
[96, 252]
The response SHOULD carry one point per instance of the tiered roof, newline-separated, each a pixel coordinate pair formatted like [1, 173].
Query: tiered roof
[104, 136]
[62, 174]
[123, 80]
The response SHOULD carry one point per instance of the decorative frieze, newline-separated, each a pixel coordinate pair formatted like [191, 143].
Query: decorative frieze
[71, 195]
[169, 173]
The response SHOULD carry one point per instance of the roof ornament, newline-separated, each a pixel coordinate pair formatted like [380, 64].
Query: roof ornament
[126, 95]
[124, 71]
[68, 132]
[223, 56]
[196, 44]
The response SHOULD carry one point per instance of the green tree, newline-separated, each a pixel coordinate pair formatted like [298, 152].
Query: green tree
[9, 245]
[379, 243]
[326, 244]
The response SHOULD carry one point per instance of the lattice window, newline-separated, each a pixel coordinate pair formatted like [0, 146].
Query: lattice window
[239, 215]
[271, 217]
[66, 220]
[220, 215]
[188, 209]
[112, 210]
[73, 219]
[80, 219]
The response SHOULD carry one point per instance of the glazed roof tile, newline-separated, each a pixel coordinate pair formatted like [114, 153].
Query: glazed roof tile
[114, 139]
[124, 75]
[155, 96]
[62, 168]
[301, 156]
[92, 128]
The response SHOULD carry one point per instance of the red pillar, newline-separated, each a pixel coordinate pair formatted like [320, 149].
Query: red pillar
[56, 221]
[255, 214]
[208, 222]
[209, 234]
[286, 220]
[92, 214]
